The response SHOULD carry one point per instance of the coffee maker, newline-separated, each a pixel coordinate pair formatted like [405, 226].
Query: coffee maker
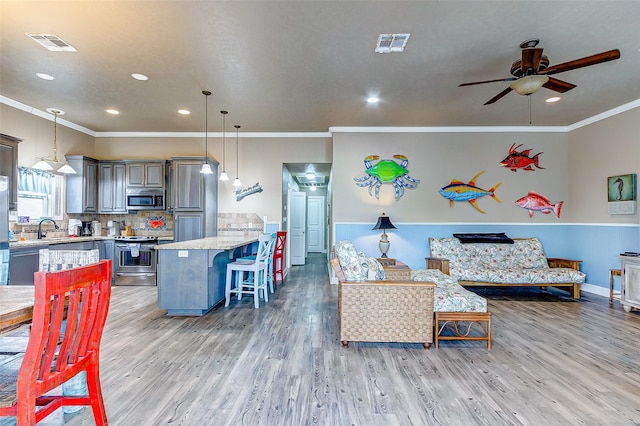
[85, 231]
[114, 227]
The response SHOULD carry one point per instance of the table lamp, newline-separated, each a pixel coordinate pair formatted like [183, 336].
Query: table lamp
[384, 223]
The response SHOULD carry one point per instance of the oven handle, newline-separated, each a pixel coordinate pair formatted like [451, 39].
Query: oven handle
[142, 246]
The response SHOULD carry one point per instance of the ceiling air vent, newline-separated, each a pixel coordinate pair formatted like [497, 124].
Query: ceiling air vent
[388, 43]
[52, 42]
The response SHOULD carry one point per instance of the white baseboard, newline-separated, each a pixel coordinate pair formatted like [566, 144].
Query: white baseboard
[595, 289]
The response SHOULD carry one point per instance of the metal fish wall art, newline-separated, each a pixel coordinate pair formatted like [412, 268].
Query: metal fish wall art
[535, 202]
[460, 191]
[520, 160]
[241, 193]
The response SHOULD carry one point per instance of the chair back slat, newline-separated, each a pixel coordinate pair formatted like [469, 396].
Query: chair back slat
[264, 247]
[87, 290]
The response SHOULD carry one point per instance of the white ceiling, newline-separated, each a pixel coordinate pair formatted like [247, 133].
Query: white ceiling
[305, 66]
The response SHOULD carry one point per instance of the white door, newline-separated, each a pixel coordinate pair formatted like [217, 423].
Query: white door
[297, 227]
[315, 224]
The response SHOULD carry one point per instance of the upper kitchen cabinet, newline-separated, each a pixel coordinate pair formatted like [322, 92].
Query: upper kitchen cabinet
[148, 174]
[82, 187]
[112, 187]
[195, 199]
[9, 166]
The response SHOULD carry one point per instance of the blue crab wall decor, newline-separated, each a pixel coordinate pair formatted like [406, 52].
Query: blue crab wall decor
[387, 171]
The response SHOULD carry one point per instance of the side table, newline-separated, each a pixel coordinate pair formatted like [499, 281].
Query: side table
[613, 295]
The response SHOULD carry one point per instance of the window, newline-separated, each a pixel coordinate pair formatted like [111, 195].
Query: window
[40, 194]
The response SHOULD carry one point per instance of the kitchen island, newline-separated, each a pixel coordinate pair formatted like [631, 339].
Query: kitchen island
[192, 274]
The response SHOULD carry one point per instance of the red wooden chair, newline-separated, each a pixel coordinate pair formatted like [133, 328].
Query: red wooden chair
[278, 257]
[55, 354]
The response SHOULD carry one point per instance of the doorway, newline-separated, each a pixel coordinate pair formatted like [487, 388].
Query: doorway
[306, 207]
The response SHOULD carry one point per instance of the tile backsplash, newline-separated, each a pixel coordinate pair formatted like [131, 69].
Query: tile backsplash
[154, 223]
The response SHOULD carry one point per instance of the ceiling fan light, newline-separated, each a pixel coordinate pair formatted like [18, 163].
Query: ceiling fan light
[310, 175]
[529, 84]
[43, 165]
[66, 169]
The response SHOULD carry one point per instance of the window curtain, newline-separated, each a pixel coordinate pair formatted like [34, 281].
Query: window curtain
[33, 180]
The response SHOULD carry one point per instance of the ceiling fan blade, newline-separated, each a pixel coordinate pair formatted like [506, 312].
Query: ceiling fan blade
[558, 85]
[487, 81]
[531, 59]
[598, 58]
[499, 96]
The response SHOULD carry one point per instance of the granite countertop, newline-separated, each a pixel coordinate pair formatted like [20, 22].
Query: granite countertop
[65, 240]
[212, 243]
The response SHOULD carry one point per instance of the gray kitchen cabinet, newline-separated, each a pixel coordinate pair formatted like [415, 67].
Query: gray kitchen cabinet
[108, 252]
[145, 175]
[112, 187]
[188, 226]
[82, 187]
[9, 166]
[195, 199]
[23, 263]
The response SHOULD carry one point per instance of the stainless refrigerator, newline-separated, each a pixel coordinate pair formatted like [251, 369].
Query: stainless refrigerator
[4, 230]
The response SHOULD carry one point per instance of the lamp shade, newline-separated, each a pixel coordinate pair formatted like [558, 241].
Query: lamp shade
[384, 223]
[529, 84]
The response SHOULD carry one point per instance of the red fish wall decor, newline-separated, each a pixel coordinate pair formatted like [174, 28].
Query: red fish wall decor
[520, 160]
[535, 202]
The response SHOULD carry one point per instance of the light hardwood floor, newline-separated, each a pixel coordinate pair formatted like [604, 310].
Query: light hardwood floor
[553, 362]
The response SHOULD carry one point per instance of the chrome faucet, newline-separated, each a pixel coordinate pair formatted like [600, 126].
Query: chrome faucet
[40, 234]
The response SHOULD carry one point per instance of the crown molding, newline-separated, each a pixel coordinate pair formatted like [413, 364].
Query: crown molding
[447, 129]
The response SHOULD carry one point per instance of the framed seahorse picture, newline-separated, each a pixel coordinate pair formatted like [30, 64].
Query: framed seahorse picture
[622, 194]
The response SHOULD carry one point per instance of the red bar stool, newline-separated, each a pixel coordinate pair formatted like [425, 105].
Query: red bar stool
[278, 257]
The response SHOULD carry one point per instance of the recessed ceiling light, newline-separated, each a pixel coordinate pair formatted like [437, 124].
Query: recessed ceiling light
[45, 76]
[113, 111]
[139, 76]
[184, 112]
[553, 99]
[373, 100]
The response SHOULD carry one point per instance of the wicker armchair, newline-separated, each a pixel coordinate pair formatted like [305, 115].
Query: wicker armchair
[392, 310]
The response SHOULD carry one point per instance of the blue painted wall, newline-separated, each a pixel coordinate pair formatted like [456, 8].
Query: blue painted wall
[596, 245]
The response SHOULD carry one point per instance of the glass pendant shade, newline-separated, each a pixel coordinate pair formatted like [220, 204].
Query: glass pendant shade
[236, 182]
[67, 169]
[206, 168]
[224, 176]
[42, 165]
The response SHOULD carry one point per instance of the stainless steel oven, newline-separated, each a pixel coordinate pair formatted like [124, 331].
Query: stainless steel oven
[135, 259]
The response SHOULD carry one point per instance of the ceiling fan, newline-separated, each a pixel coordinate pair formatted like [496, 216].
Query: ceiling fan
[532, 71]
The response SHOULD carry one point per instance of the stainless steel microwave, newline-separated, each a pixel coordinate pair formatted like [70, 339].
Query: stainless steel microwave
[145, 199]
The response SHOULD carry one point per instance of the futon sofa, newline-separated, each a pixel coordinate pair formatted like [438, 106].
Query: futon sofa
[520, 262]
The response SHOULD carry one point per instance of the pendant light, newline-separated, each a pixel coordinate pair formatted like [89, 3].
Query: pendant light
[237, 182]
[223, 175]
[44, 164]
[206, 168]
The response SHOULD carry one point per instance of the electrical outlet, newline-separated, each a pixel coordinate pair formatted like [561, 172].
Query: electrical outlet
[250, 225]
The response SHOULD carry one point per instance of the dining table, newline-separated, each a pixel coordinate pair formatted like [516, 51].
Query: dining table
[16, 306]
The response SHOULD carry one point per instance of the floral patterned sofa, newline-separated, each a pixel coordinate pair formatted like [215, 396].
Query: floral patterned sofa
[522, 263]
[451, 303]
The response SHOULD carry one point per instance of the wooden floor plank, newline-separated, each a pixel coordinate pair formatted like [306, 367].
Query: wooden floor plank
[554, 361]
